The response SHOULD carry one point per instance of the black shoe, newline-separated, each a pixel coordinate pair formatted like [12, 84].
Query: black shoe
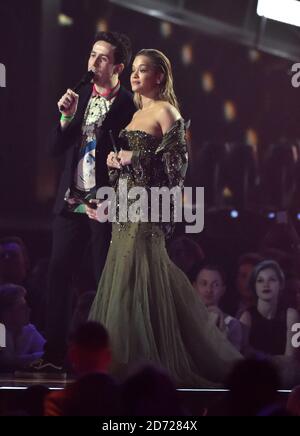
[43, 369]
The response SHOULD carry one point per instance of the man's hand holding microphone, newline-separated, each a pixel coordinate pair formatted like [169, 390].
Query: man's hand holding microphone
[67, 106]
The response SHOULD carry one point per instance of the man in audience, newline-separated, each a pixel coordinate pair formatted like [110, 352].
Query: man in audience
[14, 261]
[210, 285]
[24, 344]
[89, 353]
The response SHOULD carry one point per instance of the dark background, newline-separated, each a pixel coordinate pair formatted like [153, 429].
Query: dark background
[43, 58]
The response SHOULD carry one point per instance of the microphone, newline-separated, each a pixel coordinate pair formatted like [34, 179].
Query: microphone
[89, 75]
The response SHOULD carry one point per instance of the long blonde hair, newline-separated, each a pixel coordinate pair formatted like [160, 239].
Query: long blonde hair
[166, 87]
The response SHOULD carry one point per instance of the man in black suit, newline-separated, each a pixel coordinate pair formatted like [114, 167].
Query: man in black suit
[83, 138]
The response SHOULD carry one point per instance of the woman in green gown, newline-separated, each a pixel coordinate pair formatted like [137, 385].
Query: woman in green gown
[148, 305]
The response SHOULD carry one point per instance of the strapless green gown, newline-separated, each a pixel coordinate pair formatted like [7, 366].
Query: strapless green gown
[151, 311]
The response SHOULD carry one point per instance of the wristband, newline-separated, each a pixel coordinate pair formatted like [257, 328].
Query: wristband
[66, 117]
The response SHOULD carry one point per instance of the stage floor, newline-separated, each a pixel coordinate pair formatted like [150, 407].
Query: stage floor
[9, 382]
[196, 401]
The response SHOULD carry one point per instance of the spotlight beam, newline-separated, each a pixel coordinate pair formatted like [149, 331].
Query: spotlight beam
[284, 11]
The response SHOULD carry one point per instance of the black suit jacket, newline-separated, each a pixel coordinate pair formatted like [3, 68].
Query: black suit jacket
[67, 142]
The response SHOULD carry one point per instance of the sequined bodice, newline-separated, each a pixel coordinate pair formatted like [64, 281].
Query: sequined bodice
[137, 136]
[151, 173]
[156, 162]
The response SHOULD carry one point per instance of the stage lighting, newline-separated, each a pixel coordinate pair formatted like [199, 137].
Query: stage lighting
[166, 29]
[271, 215]
[230, 111]
[208, 82]
[102, 25]
[187, 54]
[298, 216]
[254, 55]
[65, 20]
[234, 214]
[285, 11]
[251, 138]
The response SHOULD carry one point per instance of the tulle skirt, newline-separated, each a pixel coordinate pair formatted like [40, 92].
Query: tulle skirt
[154, 315]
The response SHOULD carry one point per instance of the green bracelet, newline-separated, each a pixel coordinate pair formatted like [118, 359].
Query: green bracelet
[66, 117]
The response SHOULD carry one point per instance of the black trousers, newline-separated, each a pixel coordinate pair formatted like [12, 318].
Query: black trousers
[74, 235]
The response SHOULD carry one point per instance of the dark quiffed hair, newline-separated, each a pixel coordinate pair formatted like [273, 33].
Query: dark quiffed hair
[90, 336]
[121, 42]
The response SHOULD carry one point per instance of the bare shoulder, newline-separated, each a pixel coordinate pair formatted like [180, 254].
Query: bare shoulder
[136, 114]
[293, 317]
[135, 118]
[167, 115]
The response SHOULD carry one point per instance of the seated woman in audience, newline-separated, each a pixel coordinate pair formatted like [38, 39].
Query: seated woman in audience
[210, 285]
[269, 322]
[24, 343]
